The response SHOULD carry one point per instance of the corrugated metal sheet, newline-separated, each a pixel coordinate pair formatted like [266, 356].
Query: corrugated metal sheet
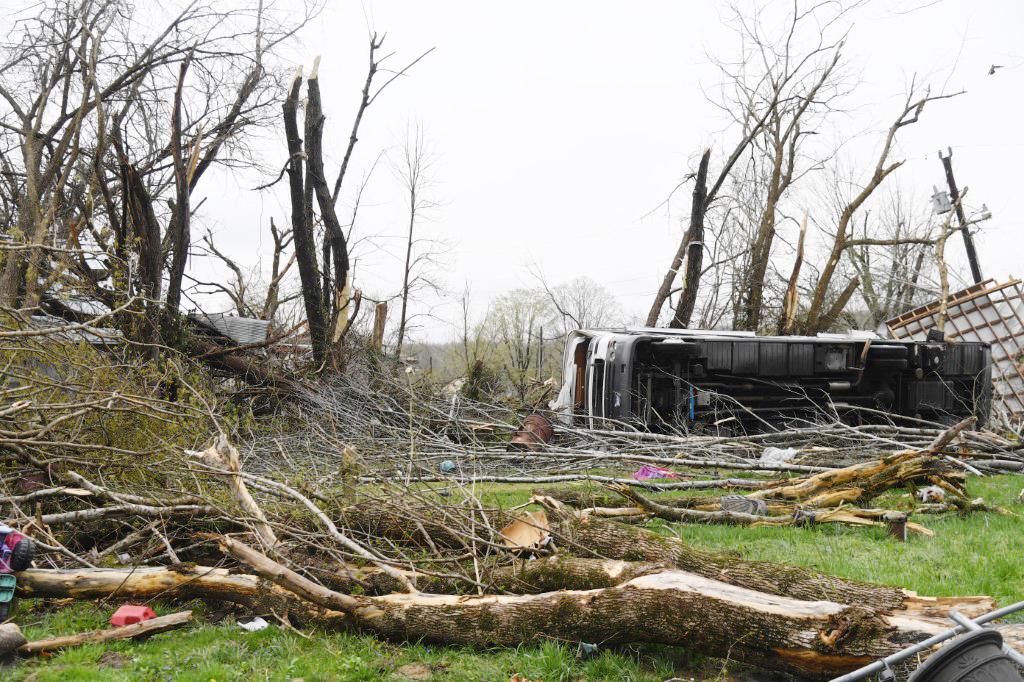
[988, 312]
[241, 330]
[96, 336]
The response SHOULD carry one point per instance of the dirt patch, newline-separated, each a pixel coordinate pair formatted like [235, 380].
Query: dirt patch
[112, 659]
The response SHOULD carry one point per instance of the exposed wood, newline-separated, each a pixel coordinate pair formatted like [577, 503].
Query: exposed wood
[787, 323]
[213, 458]
[11, 638]
[814, 638]
[146, 627]
[611, 540]
[380, 318]
[694, 241]
[183, 582]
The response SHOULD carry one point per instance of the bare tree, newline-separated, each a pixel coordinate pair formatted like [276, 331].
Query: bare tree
[891, 275]
[413, 165]
[774, 93]
[820, 318]
[326, 291]
[111, 123]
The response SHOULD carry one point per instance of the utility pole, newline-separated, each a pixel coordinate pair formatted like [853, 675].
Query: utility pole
[954, 197]
[540, 355]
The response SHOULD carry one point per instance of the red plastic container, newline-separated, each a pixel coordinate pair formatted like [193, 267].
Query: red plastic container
[130, 613]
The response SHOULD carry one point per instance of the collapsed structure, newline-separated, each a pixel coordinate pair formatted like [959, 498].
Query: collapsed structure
[988, 312]
[680, 379]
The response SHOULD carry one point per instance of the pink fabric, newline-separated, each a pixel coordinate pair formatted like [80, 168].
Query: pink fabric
[7, 549]
[647, 472]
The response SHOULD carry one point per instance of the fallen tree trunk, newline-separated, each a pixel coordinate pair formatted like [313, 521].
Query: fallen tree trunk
[597, 537]
[818, 638]
[850, 516]
[146, 627]
[814, 638]
[861, 483]
[524, 577]
[148, 582]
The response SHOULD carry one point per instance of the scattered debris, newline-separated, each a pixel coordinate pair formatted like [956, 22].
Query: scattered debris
[531, 531]
[932, 494]
[415, 671]
[773, 455]
[129, 614]
[254, 625]
[148, 627]
[647, 472]
[988, 312]
[536, 432]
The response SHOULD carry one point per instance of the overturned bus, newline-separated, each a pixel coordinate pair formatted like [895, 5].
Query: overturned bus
[666, 380]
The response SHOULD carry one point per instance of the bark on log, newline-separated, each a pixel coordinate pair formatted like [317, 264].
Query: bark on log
[861, 483]
[597, 537]
[814, 638]
[213, 458]
[843, 515]
[547, 574]
[148, 582]
[11, 638]
[146, 627]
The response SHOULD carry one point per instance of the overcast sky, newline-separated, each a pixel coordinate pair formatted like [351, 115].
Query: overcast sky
[561, 127]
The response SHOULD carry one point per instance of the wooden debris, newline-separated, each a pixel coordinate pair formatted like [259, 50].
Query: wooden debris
[146, 627]
[11, 638]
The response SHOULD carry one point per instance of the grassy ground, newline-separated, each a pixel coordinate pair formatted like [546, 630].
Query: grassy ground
[978, 554]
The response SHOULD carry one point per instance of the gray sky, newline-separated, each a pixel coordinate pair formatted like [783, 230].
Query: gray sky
[561, 127]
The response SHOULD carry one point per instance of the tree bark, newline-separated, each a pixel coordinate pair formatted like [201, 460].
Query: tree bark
[694, 248]
[146, 627]
[302, 229]
[181, 215]
[334, 238]
[611, 540]
[185, 582]
[815, 638]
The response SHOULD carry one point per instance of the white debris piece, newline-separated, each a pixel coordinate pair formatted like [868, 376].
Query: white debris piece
[254, 625]
[778, 455]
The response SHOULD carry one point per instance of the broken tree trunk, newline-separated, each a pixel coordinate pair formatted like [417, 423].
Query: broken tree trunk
[11, 638]
[148, 582]
[861, 483]
[819, 638]
[792, 516]
[814, 638]
[611, 540]
[146, 627]
[230, 464]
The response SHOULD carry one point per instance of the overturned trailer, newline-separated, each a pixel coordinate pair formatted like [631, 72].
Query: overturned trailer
[671, 380]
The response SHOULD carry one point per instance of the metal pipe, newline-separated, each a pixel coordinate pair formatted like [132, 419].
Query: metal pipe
[960, 618]
[886, 662]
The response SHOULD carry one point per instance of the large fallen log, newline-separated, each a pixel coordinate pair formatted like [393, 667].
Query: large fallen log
[813, 638]
[850, 516]
[597, 537]
[149, 582]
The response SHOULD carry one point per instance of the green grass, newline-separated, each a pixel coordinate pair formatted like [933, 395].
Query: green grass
[224, 652]
[977, 554]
